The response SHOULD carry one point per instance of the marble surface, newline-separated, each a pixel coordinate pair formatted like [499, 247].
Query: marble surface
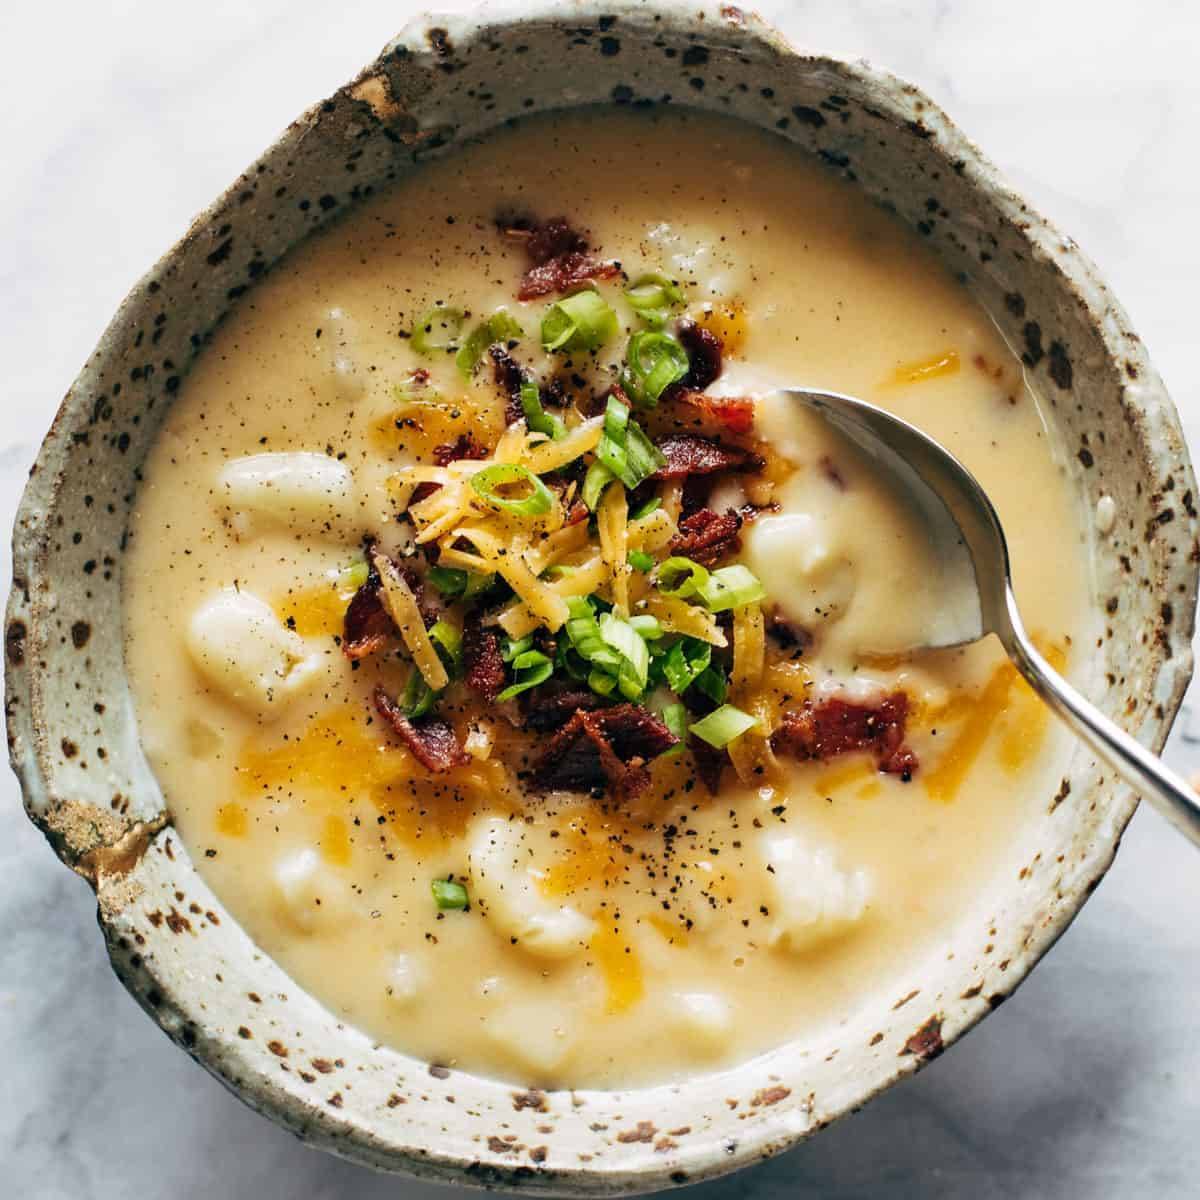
[123, 119]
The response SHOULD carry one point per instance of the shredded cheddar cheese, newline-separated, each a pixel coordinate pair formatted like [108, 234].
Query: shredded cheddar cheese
[401, 605]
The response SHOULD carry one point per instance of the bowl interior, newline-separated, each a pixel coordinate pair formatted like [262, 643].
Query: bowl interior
[72, 729]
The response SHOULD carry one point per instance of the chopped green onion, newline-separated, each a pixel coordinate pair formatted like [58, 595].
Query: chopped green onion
[681, 577]
[634, 669]
[685, 662]
[353, 576]
[652, 296]
[448, 641]
[674, 717]
[499, 327]
[557, 571]
[654, 361]
[598, 477]
[647, 626]
[438, 329]
[416, 390]
[639, 560]
[601, 683]
[583, 631]
[713, 684]
[418, 697]
[730, 587]
[529, 669]
[583, 321]
[644, 510]
[536, 417]
[510, 649]
[487, 481]
[450, 581]
[448, 895]
[624, 448]
[723, 725]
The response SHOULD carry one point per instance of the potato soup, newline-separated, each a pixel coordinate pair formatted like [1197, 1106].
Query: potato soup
[527, 675]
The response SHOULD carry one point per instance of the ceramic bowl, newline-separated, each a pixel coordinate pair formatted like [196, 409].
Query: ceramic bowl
[72, 729]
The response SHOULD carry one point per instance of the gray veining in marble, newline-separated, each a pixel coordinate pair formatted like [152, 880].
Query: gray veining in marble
[124, 118]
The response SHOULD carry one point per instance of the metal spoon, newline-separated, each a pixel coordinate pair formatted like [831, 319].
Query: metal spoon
[967, 530]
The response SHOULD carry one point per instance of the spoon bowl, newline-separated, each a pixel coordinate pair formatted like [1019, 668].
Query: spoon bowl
[978, 598]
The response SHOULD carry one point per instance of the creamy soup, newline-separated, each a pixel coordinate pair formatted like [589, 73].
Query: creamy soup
[437, 718]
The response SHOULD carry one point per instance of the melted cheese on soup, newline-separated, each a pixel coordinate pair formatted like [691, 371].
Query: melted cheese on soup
[604, 944]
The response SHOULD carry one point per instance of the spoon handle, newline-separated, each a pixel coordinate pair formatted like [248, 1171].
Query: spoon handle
[1141, 769]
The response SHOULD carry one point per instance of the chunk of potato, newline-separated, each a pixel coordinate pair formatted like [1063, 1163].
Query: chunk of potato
[294, 488]
[813, 899]
[506, 887]
[242, 648]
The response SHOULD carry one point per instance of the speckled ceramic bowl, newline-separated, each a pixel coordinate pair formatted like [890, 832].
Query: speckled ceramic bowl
[71, 726]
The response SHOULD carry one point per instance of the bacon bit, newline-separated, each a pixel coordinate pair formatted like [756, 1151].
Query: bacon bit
[688, 454]
[547, 709]
[735, 413]
[558, 257]
[576, 513]
[432, 742]
[609, 747]
[710, 761]
[508, 376]
[704, 354]
[706, 536]
[482, 664]
[465, 446]
[832, 727]
[366, 626]
[422, 492]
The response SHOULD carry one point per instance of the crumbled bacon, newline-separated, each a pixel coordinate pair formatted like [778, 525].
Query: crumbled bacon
[687, 454]
[576, 513]
[464, 446]
[707, 537]
[548, 708]
[704, 354]
[509, 376]
[710, 762]
[558, 257]
[832, 727]
[366, 625]
[610, 747]
[482, 664]
[423, 491]
[733, 413]
[432, 742]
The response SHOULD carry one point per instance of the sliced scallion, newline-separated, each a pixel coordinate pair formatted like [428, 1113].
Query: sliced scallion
[536, 417]
[674, 717]
[730, 587]
[351, 578]
[448, 894]
[598, 477]
[644, 510]
[501, 326]
[418, 698]
[438, 329]
[686, 660]
[583, 321]
[652, 296]
[448, 641]
[713, 684]
[624, 448]
[633, 672]
[534, 503]
[648, 627]
[723, 725]
[639, 560]
[653, 362]
[530, 668]
[681, 577]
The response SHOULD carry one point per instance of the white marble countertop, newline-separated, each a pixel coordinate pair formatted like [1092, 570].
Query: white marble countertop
[123, 119]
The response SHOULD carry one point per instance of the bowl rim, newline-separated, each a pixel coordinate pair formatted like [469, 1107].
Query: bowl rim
[774, 1134]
